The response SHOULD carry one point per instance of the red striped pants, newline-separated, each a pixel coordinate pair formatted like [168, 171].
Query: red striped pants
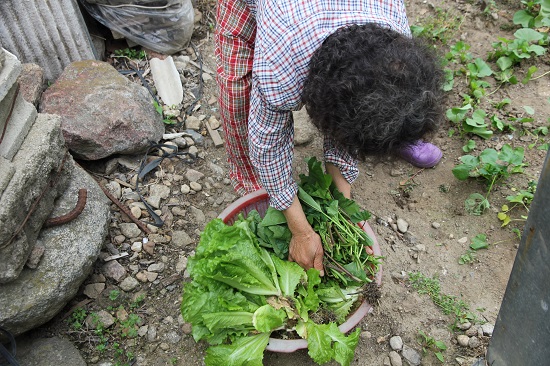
[235, 35]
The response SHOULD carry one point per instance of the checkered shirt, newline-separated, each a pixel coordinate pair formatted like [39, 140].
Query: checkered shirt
[287, 34]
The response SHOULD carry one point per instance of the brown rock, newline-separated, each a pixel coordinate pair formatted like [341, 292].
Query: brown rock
[102, 112]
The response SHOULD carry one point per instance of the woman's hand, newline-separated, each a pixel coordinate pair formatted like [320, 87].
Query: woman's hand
[305, 246]
[306, 249]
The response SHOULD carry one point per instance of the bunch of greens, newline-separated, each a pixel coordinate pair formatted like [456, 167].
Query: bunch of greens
[335, 218]
[241, 292]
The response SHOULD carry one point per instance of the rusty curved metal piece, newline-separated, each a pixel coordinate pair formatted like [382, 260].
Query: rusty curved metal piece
[71, 215]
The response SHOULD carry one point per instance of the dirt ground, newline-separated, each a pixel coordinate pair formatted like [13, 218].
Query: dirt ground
[431, 201]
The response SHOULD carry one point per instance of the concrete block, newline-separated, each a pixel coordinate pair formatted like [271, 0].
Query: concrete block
[9, 73]
[6, 106]
[22, 119]
[6, 172]
[36, 165]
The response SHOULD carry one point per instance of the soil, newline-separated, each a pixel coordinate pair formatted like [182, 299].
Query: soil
[431, 201]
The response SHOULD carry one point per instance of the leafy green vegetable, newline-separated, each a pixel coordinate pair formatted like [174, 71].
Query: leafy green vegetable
[241, 292]
[243, 287]
[336, 219]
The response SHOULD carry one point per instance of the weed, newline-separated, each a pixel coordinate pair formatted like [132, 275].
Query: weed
[468, 258]
[77, 318]
[491, 166]
[137, 302]
[476, 204]
[479, 242]
[443, 188]
[130, 325]
[469, 146]
[536, 14]
[131, 53]
[489, 7]
[429, 343]
[500, 125]
[522, 199]
[114, 294]
[450, 305]
[440, 28]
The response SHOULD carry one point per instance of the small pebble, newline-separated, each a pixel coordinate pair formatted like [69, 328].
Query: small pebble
[395, 359]
[436, 225]
[488, 329]
[185, 189]
[136, 211]
[396, 343]
[474, 342]
[402, 225]
[137, 246]
[195, 186]
[463, 340]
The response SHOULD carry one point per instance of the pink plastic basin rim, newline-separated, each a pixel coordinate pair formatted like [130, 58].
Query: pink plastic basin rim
[258, 200]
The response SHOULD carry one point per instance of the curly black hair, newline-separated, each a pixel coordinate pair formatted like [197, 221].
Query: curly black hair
[374, 90]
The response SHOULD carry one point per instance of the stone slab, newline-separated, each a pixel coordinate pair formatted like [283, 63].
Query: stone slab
[52, 351]
[9, 73]
[19, 125]
[71, 250]
[6, 172]
[36, 164]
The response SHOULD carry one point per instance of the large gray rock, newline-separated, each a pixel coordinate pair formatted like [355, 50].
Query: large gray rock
[33, 170]
[53, 351]
[103, 113]
[70, 252]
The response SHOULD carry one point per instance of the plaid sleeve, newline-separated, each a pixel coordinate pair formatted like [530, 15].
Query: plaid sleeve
[271, 143]
[344, 161]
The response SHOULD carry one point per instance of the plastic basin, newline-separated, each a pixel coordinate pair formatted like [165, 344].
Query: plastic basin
[259, 201]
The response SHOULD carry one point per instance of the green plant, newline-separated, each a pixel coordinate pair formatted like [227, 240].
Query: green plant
[522, 199]
[471, 145]
[443, 188]
[129, 327]
[439, 28]
[468, 258]
[450, 305]
[114, 294]
[241, 292]
[509, 52]
[479, 242]
[500, 125]
[131, 53]
[121, 356]
[243, 288]
[137, 302]
[77, 318]
[492, 167]
[489, 7]
[430, 343]
[459, 53]
[536, 14]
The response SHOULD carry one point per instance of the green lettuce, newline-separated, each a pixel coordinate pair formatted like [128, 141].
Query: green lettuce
[240, 293]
